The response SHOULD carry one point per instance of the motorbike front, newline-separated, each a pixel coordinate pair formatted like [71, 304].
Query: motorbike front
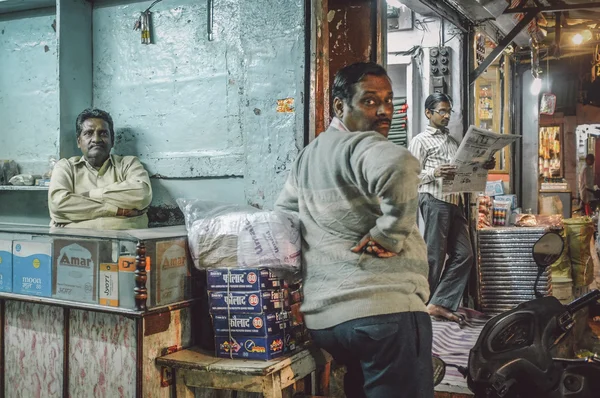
[512, 356]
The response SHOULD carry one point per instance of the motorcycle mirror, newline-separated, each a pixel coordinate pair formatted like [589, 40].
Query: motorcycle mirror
[548, 249]
[439, 370]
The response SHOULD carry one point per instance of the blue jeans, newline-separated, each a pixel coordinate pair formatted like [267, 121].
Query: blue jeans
[385, 355]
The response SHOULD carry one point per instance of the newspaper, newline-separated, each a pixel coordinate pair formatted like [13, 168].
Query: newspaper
[476, 148]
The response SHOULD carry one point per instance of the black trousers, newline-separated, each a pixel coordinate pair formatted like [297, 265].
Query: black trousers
[446, 233]
[385, 356]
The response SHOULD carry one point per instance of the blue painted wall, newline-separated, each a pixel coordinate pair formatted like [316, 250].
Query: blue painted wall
[29, 126]
[29, 122]
[200, 114]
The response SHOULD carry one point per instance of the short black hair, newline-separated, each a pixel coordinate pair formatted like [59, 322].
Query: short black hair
[348, 76]
[94, 113]
[590, 156]
[436, 98]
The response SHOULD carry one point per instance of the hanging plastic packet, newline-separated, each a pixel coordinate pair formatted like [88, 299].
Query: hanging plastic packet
[547, 104]
[501, 213]
[485, 211]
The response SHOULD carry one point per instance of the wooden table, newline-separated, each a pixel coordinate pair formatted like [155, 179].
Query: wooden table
[197, 368]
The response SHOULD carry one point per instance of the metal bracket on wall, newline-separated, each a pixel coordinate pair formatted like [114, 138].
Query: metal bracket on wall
[166, 373]
[144, 23]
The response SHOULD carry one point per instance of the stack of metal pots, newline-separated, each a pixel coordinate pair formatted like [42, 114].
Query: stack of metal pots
[506, 268]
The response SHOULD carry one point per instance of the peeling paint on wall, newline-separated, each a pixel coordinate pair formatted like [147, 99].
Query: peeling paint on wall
[201, 115]
[196, 111]
[285, 105]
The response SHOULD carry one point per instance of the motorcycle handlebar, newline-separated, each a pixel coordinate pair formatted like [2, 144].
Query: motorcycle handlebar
[583, 301]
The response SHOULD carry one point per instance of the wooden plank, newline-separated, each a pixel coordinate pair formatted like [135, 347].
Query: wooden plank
[198, 371]
[219, 381]
[272, 386]
[351, 33]
[192, 358]
[259, 368]
[181, 388]
[320, 49]
[198, 359]
[298, 370]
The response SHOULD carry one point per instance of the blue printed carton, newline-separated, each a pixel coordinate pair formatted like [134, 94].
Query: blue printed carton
[246, 279]
[245, 302]
[6, 266]
[32, 268]
[493, 188]
[508, 198]
[250, 347]
[251, 324]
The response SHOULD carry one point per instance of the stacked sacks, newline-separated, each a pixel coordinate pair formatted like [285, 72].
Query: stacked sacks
[580, 232]
[230, 236]
[562, 282]
[250, 310]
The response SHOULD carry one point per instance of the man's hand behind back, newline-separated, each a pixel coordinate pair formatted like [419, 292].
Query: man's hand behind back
[368, 245]
[130, 212]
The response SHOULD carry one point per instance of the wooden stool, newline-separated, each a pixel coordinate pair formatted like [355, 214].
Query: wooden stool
[196, 368]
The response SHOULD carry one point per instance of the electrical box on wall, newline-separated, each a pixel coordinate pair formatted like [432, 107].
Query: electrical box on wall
[440, 71]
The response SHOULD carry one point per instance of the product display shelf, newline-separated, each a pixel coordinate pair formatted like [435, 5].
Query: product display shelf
[81, 315]
[22, 188]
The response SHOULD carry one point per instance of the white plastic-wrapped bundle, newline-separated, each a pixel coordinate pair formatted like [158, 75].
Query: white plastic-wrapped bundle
[241, 236]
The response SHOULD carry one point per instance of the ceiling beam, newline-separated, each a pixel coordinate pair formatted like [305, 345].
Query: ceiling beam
[554, 8]
[506, 40]
[553, 58]
[573, 27]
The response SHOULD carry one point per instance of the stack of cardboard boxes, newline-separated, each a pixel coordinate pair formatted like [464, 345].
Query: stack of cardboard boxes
[251, 313]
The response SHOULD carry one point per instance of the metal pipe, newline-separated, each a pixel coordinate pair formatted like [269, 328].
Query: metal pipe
[210, 11]
[558, 33]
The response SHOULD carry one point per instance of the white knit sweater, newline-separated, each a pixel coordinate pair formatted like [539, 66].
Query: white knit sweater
[345, 185]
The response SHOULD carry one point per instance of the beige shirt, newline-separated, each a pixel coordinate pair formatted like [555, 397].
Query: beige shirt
[122, 182]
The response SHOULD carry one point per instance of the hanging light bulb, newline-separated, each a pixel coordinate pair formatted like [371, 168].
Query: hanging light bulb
[536, 86]
[587, 35]
[577, 38]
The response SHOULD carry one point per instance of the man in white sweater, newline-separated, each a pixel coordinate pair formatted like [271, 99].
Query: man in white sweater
[364, 261]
